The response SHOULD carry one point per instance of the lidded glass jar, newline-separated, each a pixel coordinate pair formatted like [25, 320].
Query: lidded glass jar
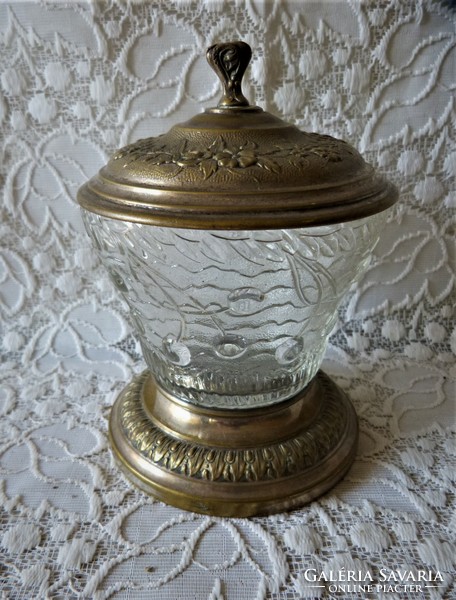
[233, 239]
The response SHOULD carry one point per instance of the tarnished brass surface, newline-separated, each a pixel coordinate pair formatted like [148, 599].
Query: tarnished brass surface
[234, 463]
[230, 61]
[236, 166]
[233, 428]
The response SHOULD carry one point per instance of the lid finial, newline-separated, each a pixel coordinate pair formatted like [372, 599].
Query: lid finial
[229, 61]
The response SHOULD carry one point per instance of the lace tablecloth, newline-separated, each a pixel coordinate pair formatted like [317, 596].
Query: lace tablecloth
[78, 80]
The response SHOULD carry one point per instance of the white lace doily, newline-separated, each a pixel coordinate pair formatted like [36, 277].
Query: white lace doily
[78, 80]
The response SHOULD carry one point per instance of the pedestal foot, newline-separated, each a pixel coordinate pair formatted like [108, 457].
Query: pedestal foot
[236, 463]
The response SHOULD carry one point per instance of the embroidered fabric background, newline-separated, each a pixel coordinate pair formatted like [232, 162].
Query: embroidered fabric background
[77, 81]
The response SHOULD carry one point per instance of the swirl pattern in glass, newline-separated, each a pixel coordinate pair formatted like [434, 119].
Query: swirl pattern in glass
[233, 319]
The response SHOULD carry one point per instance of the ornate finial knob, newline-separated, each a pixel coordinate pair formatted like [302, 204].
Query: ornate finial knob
[229, 61]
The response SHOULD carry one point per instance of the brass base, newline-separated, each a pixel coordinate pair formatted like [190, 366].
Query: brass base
[235, 463]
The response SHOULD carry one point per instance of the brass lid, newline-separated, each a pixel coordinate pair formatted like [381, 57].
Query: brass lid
[236, 167]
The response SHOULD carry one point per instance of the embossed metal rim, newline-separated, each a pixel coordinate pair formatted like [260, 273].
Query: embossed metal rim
[187, 210]
[145, 455]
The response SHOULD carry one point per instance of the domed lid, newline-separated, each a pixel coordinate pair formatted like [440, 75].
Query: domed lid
[236, 167]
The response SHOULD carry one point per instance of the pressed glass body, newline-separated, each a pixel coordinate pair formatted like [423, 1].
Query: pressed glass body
[234, 319]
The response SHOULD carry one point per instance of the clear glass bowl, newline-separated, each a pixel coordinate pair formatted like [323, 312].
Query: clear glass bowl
[234, 319]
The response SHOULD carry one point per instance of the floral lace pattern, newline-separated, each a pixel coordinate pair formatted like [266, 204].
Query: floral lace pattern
[79, 80]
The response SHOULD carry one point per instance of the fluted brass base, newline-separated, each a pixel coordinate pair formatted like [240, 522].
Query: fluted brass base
[234, 463]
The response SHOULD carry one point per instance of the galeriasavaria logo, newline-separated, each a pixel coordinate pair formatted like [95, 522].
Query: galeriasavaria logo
[386, 580]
